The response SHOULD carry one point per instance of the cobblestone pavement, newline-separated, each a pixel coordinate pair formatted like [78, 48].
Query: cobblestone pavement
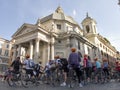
[107, 86]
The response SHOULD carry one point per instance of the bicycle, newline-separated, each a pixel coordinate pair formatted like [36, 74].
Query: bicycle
[27, 80]
[13, 78]
[71, 77]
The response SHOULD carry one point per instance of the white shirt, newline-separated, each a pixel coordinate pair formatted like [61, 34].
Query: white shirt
[26, 62]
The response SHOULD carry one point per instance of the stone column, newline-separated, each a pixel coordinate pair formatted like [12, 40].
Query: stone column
[36, 49]
[48, 46]
[52, 48]
[14, 54]
[31, 49]
[44, 55]
[68, 44]
[19, 50]
[83, 48]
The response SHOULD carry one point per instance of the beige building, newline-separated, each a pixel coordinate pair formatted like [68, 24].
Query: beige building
[52, 35]
[5, 49]
[55, 34]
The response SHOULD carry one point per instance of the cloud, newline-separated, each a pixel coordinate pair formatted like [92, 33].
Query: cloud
[74, 12]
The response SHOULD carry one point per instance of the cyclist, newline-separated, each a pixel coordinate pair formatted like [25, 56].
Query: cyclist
[98, 69]
[117, 68]
[29, 65]
[105, 67]
[48, 68]
[16, 64]
[87, 66]
[64, 64]
[38, 69]
[74, 60]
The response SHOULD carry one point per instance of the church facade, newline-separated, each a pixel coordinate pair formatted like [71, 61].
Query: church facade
[56, 34]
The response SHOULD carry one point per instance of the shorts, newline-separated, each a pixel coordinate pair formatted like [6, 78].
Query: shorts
[29, 71]
[98, 71]
[65, 69]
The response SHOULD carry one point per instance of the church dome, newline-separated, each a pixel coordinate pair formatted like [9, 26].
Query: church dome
[58, 15]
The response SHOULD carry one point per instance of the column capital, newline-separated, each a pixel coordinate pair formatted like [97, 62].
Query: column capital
[52, 41]
[37, 39]
[31, 40]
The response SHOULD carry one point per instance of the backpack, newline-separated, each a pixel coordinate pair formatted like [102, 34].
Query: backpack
[31, 64]
[52, 66]
[37, 67]
[89, 63]
[105, 64]
[64, 61]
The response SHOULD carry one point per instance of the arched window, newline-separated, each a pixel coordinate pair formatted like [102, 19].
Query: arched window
[87, 29]
[101, 52]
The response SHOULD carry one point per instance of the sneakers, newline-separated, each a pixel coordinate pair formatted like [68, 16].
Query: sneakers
[80, 85]
[63, 84]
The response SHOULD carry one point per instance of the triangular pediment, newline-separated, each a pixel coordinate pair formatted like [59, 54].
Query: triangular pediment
[25, 28]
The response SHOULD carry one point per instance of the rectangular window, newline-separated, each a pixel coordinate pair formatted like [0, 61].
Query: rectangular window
[6, 53]
[59, 26]
[7, 46]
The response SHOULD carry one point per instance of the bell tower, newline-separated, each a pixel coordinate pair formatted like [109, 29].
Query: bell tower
[89, 26]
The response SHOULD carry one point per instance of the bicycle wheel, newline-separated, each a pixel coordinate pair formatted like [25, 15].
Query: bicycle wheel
[71, 78]
[10, 81]
[24, 80]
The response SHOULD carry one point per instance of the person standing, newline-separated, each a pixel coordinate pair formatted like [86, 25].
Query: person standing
[74, 62]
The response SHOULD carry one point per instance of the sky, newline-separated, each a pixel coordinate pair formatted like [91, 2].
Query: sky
[14, 13]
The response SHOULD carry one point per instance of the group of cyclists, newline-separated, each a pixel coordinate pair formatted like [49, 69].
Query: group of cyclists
[74, 61]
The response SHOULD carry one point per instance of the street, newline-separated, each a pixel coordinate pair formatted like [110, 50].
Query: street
[107, 86]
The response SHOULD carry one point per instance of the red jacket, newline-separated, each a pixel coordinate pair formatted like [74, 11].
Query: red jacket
[117, 68]
[85, 62]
